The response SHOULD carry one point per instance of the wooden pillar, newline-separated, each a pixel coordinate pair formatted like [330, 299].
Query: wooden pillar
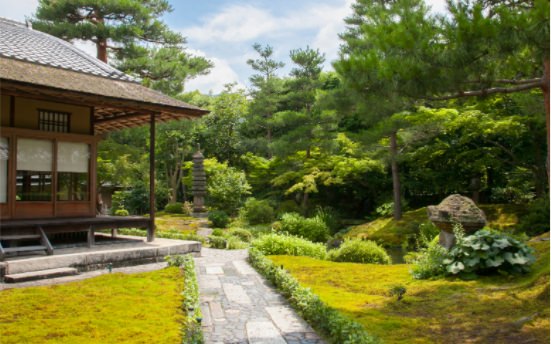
[151, 230]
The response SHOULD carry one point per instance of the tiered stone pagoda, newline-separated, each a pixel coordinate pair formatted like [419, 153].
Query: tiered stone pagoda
[199, 186]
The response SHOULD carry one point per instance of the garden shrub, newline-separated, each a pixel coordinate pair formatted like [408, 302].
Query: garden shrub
[330, 217]
[278, 244]
[313, 229]
[257, 212]
[487, 252]
[359, 251]
[192, 332]
[121, 212]
[428, 262]
[217, 241]
[185, 208]
[234, 243]
[288, 206]
[219, 218]
[242, 234]
[174, 208]
[337, 327]
[227, 186]
[218, 232]
[536, 220]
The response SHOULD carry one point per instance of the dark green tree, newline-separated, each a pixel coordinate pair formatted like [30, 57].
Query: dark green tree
[128, 30]
[266, 92]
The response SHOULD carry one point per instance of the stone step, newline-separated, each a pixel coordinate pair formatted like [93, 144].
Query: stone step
[20, 237]
[37, 275]
[24, 248]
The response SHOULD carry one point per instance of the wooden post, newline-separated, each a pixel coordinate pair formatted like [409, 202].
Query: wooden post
[151, 230]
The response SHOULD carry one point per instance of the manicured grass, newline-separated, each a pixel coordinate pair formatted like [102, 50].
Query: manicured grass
[178, 222]
[114, 308]
[388, 232]
[495, 309]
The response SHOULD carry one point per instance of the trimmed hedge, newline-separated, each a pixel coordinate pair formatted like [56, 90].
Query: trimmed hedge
[191, 331]
[279, 244]
[360, 251]
[328, 321]
[313, 229]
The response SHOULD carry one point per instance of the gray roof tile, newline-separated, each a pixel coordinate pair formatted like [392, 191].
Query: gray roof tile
[19, 42]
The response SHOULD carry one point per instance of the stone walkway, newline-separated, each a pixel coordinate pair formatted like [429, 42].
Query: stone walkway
[240, 307]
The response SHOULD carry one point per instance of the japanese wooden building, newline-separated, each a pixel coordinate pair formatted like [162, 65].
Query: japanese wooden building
[56, 102]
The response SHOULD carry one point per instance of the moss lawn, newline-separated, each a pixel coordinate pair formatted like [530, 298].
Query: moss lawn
[496, 309]
[113, 308]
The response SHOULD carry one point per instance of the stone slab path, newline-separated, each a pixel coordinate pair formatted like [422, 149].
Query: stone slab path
[240, 307]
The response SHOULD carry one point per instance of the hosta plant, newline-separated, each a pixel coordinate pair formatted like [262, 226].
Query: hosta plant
[487, 252]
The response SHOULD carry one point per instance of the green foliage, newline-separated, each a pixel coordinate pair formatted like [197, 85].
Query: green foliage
[235, 243]
[330, 217]
[227, 186]
[428, 262]
[219, 218]
[170, 234]
[192, 332]
[359, 251]
[385, 209]
[277, 244]
[313, 229]
[175, 208]
[487, 252]
[536, 220]
[243, 234]
[257, 212]
[217, 242]
[218, 232]
[338, 328]
[288, 206]
[121, 212]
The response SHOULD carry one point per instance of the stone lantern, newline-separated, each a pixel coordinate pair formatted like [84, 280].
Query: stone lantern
[199, 186]
[455, 209]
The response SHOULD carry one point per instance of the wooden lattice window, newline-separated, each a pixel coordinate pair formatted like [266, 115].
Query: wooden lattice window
[53, 121]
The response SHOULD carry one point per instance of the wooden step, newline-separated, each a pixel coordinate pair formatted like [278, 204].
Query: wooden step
[42, 274]
[20, 237]
[24, 248]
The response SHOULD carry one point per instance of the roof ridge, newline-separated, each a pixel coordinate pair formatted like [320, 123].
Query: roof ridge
[110, 71]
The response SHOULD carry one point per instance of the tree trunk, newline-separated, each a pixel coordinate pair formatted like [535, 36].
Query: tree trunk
[305, 198]
[395, 177]
[101, 46]
[269, 139]
[545, 89]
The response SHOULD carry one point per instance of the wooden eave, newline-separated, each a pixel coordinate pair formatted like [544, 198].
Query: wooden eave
[116, 104]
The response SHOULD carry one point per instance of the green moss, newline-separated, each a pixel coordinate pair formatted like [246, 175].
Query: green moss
[490, 309]
[113, 308]
[388, 232]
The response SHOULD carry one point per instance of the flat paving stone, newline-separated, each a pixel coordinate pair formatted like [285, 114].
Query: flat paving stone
[263, 332]
[214, 270]
[242, 307]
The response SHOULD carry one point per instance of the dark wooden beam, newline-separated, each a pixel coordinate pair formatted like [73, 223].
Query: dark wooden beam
[12, 111]
[151, 230]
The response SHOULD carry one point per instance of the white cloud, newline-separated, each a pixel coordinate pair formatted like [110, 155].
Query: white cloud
[214, 82]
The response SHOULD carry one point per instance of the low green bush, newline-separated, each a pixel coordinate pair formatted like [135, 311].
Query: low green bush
[257, 212]
[330, 217]
[219, 218]
[359, 251]
[242, 234]
[536, 219]
[335, 326]
[192, 332]
[179, 208]
[218, 232]
[313, 229]
[428, 261]
[234, 243]
[487, 252]
[278, 244]
[217, 242]
[121, 212]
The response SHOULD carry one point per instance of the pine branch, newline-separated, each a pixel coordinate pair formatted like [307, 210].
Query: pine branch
[493, 90]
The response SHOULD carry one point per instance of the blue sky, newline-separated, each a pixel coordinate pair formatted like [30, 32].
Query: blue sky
[225, 30]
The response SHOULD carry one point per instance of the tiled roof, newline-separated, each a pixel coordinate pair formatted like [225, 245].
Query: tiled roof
[19, 42]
